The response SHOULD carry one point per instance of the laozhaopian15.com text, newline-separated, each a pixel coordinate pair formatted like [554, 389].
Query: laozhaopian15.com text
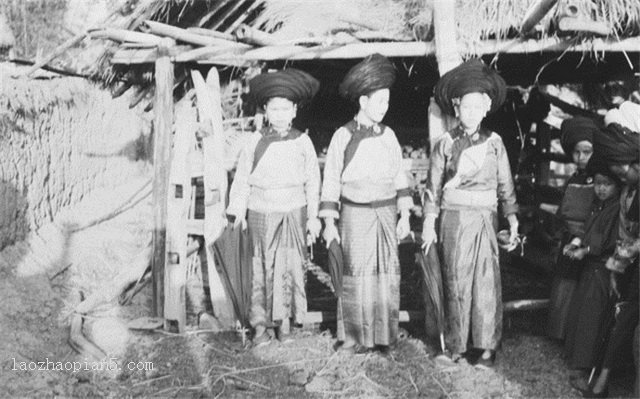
[110, 364]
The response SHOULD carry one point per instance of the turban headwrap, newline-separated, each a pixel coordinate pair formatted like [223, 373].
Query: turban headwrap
[373, 73]
[472, 76]
[598, 165]
[575, 130]
[617, 145]
[292, 84]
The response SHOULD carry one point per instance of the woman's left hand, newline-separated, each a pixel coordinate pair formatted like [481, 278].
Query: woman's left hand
[513, 229]
[313, 228]
[403, 229]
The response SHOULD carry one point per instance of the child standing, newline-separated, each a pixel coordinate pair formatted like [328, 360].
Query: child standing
[577, 141]
[589, 303]
[277, 188]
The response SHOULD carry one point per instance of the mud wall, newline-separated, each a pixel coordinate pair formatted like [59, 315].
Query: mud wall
[59, 139]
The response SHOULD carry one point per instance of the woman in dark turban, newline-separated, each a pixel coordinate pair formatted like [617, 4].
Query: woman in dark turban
[277, 187]
[364, 188]
[469, 175]
[577, 142]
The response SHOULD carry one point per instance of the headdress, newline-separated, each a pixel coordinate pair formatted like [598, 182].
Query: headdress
[472, 76]
[373, 73]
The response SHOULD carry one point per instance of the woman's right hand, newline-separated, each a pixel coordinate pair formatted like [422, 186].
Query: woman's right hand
[566, 251]
[330, 232]
[240, 222]
[429, 235]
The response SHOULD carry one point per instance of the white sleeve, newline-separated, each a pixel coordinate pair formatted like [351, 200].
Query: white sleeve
[312, 177]
[401, 180]
[240, 189]
[332, 176]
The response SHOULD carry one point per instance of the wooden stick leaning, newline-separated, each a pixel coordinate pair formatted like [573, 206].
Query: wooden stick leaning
[57, 52]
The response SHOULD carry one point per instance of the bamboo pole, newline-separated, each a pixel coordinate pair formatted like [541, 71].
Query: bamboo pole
[163, 123]
[535, 14]
[247, 34]
[448, 57]
[212, 33]
[123, 35]
[239, 57]
[57, 52]
[205, 52]
[571, 24]
[186, 36]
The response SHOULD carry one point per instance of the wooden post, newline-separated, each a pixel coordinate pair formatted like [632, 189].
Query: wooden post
[448, 57]
[163, 124]
[175, 277]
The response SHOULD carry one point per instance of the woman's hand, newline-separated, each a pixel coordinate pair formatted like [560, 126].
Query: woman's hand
[313, 228]
[567, 249]
[613, 284]
[429, 235]
[330, 231]
[403, 228]
[578, 253]
[513, 229]
[240, 222]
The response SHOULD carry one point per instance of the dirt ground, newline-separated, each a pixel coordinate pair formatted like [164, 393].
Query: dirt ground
[35, 307]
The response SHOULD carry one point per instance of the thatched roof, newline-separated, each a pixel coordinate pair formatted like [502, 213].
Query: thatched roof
[7, 40]
[306, 29]
[248, 32]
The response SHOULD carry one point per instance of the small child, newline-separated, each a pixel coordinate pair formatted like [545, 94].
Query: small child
[577, 141]
[589, 303]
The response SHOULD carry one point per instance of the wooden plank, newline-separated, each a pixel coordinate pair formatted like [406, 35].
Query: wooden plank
[163, 123]
[323, 317]
[175, 309]
[215, 186]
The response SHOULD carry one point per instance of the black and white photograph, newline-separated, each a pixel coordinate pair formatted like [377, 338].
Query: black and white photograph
[319, 199]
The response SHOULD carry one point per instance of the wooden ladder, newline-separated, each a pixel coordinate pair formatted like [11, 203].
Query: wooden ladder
[188, 163]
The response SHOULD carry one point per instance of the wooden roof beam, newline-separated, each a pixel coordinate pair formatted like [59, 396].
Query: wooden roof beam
[238, 57]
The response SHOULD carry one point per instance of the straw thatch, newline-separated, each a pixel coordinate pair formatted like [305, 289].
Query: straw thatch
[412, 19]
[7, 40]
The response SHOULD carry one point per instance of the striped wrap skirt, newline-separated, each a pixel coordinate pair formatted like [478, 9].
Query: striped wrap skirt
[368, 311]
[279, 252]
[471, 278]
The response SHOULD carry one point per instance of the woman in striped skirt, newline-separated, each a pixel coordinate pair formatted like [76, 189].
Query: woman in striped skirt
[277, 187]
[469, 175]
[363, 190]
